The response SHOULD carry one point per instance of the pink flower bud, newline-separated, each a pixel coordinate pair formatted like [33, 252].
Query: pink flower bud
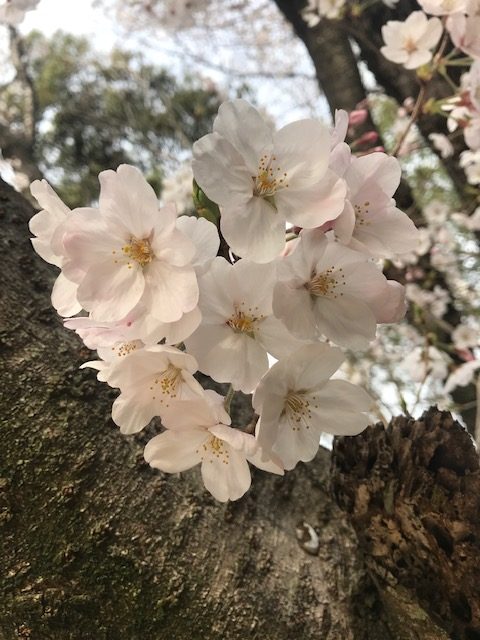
[357, 117]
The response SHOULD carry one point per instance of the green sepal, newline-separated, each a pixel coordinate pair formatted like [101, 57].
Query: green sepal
[205, 207]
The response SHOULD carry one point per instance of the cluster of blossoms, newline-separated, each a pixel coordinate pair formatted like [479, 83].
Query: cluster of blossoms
[12, 12]
[307, 225]
[412, 43]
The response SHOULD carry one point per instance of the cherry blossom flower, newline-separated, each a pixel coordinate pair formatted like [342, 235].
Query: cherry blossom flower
[318, 9]
[370, 221]
[464, 337]
[442, 144]
[238, 327]
[150, 380]
[129, 252]
[465, 33]
[461, 376]
[470, 162]
[443, 7]
[422, 362]
[47, 226]
[12, 12]
[410, 42]
[297, 401]
[198, 432]
[261, 178]
[327, 289]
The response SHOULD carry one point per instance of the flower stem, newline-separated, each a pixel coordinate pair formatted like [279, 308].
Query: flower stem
[228, 398]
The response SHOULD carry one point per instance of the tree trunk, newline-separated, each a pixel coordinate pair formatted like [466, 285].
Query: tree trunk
[96, 545]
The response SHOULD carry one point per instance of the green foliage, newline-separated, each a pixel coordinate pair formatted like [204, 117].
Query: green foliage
[95, 112]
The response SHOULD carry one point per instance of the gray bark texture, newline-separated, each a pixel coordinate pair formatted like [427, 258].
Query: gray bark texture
[94, 545]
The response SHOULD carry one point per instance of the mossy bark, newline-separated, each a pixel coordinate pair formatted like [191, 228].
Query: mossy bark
[96, 545]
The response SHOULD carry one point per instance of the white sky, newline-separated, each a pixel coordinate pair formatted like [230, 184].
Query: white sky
[74, 16]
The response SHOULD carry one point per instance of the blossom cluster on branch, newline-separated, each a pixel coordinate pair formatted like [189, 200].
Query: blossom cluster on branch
[304, 225]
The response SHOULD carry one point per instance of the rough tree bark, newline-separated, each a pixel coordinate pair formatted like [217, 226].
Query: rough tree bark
[96, 545]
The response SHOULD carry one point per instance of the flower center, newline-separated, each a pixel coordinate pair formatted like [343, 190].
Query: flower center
[215, 448]
[139, 250]
[269, 179]
[297, 410]
[244, 322]
[125, 348]
[325, 283]
[167, 382]
[410, 46]
[361, 213]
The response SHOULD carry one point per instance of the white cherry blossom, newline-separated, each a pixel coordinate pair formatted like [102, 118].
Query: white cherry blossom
[47, 226]
[462, 375]
[410, 43]
[327, 289]
[318, 9]
[443, 7]
[464, 337]
[129, 252]
[442, 144]
[261, 178]
[198, 432]
[238, 328]
[465, 33]
[370, 221]
[150, 380]
[297, 401]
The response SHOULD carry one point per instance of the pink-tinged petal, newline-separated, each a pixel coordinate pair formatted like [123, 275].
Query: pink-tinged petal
[346, 321]
[237, 439]
[175, 451]
[339, 132]
[180, 330]
[216, 294]
[255, 230]
[302, 150]
[340, 396]
[276, 339]
[204, 236]
[314, 364]
[127, 199]
[227, 480]
[87, 240]
[243, 126]
[313, 206]
[227, 356]
[432, 33]
[295, 442]
[254, 282]
[220, 170]
[64, 297]
[390, 305]
[267, 462]
[110, 291]
[418, 59]
[344, 225]
[340, 159]
[189, 414]
[390, 232]
[48, 199]
[170, 291]
[294, 307]
[384, 170]
[132, 413]
[175, 248]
